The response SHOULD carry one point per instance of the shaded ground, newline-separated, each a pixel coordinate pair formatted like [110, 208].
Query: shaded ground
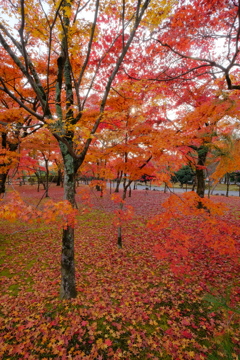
[129, 306]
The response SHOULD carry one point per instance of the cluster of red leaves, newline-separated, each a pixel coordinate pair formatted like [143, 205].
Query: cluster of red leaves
[211, 230]
[124, 213]
[52, 212]
[130, 305]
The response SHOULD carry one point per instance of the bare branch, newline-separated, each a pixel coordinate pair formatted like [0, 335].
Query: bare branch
[30, 111]
[89, 45]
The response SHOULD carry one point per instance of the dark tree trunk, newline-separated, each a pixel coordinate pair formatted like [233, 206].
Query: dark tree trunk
[119, 178]
[200, 173]
[47, 177]
[130, 192]
[6, 145]
[117, 186]
[119, 239]
[68, 285]
[227, 183]
[3, 178]
[124, 195]
[59, 177]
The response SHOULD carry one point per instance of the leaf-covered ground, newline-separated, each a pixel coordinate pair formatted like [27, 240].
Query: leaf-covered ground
[130, 305]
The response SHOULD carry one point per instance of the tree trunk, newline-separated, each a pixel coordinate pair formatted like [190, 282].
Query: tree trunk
[47, 177]
[6, 145]
[68, 284]
[59, 177]
[194, 184]
[227, 183]
[3, 178]
[124, 195]
[200, 175]
[200, 183]
[119, 239]
[119, 178]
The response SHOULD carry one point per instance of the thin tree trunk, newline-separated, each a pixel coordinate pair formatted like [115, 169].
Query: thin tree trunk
[194, 184]
[227, 183]
[59, 177]
[119, 239]
[119, 178]
[124, 195]
[214, 187]
[47, 177]
[4, 172]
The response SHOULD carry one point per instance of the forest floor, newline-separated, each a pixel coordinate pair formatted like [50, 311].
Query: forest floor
[130, 304]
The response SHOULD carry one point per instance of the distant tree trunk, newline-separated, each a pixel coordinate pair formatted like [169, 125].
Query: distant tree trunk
[126, 185]
[4, 170]
[40, 181]
[200, 173]
[165, 188]
[119, 178]
[194, 183]
[227, 183]
[119, 232]
[214, 187]
[47, 177]
[3, 178]
[59, 177]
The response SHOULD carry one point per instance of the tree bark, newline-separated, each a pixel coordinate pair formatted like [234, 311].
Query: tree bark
[119, 178]
[59, 177]
[68, 284]
[200, 174]
[6, 145]
[227, 183]
[3, 178]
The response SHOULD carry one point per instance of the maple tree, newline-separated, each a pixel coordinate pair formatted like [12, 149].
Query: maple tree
[197, 45]
[202, 131]
[60, 76]
[125, 150]
[199, 42]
